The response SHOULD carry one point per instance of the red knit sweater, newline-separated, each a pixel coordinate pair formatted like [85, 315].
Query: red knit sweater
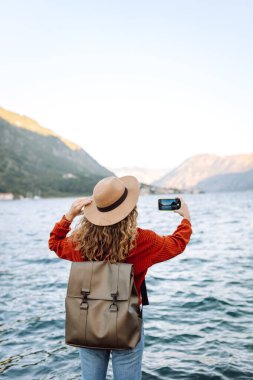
[150, 249]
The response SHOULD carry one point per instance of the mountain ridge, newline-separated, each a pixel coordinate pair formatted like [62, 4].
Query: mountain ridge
[23, 121]
[240, 181]
[191, 173]
[43, 164]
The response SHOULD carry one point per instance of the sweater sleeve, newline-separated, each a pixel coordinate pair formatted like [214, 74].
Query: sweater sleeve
[61, 244]
[162, 248]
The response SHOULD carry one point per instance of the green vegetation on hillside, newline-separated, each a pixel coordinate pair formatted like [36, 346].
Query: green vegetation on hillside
[34, 164]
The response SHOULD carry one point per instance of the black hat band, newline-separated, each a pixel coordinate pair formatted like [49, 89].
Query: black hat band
[115, 204]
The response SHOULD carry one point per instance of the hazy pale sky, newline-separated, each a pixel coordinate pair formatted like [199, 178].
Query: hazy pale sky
[135, 83]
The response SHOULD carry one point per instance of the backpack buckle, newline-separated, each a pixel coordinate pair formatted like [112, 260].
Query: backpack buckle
[84, 304]
[114, 306]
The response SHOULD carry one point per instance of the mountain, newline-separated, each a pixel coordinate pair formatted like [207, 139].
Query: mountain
[36, 161]
[200, 171]
[227, 182]
[144, 175]
[22, 121]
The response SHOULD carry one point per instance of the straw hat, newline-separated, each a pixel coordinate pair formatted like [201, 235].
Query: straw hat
[113, 199]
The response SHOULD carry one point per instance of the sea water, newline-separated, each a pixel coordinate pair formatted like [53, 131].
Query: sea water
[199, 324]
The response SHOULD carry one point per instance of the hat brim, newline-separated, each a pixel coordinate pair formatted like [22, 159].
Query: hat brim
[108, 218]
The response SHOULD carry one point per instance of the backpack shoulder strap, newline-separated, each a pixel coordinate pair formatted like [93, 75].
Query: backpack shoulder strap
[114, 278]
[144, 294]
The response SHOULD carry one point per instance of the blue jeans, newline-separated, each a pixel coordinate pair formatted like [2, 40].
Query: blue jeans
[126, 364]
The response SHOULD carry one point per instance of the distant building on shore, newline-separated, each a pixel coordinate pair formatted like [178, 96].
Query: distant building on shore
[6, 196]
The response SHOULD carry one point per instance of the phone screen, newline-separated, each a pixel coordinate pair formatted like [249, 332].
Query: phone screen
[169, 204]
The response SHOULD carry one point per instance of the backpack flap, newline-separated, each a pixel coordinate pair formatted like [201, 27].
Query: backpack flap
[98, 277]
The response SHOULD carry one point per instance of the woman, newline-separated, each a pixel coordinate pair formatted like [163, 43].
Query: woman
[108, 230]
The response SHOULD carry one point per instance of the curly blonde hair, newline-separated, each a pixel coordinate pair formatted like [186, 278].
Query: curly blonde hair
[112, 243]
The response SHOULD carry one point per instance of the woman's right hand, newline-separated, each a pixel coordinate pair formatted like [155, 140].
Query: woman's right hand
[76, 207]
[183, 211]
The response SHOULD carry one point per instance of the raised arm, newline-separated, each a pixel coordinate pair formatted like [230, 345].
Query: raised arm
[60, 243]
[168, 246]
[58, 240]
[154, 248]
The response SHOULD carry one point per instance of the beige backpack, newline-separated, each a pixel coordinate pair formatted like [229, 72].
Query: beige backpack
[102, 309]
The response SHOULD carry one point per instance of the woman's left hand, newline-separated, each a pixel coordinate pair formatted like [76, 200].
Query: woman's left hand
[76, 207]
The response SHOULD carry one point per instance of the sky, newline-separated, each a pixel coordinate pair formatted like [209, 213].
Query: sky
[134, 83]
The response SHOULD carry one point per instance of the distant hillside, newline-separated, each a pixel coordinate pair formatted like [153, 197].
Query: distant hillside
[36, 161]
[22, 121]
[144, 175]
[194, 170]
[228, 182]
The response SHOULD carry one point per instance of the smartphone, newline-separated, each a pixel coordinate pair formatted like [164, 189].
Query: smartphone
[169, 204]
